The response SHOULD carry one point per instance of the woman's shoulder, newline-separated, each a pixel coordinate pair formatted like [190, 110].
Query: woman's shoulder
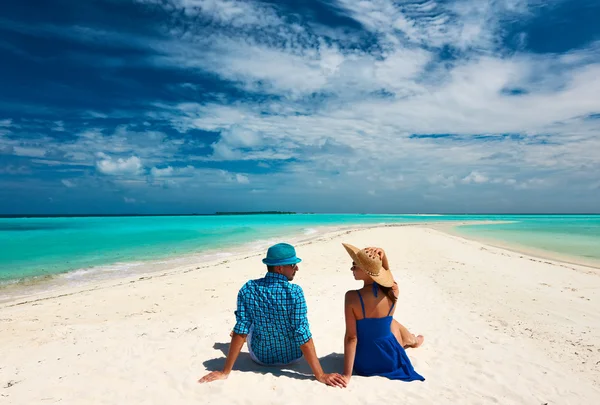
[351, 296]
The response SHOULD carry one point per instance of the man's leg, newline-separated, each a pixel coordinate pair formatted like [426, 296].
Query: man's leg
[404, 337]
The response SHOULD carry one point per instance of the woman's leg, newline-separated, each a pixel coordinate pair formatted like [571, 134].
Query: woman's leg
[404, 337]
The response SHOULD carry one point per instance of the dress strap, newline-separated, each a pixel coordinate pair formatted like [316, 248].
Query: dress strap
[362, 304]
[393, 303]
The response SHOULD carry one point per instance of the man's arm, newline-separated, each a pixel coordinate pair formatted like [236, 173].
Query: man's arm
[310, 354]
[240, 331]
[304, 339]
[237, 342]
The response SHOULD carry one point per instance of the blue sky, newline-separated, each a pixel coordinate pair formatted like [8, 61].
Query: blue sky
[175, 106]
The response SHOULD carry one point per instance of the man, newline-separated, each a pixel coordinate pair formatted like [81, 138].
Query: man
[272, 315]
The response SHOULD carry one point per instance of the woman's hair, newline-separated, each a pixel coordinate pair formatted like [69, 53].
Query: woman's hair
[389, 291]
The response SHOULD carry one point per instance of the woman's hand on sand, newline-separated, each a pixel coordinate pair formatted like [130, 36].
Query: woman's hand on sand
[214, 376]
[333, 380]
[347, 379]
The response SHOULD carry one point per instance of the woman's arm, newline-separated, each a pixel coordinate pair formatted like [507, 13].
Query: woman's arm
[350, 339]
[381, 253]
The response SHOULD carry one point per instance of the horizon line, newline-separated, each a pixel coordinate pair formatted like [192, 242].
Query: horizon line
[240, 213]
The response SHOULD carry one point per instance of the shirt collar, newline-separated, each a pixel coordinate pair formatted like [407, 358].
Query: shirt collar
[275, 277]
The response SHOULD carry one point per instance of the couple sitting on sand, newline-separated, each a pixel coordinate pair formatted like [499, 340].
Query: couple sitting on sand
[272, 317]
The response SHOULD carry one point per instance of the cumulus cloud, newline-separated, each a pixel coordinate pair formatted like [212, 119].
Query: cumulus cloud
[165, 172]
[532, 184]
[475, 177]
[119, 166]
[242, 179]
[170, 171]
[442, 181]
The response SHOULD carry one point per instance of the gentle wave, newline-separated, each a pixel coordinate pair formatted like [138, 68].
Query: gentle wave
[310, 231]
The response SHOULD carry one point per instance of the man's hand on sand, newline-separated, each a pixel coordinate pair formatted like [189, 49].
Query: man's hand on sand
[214, 376]
[333, 380]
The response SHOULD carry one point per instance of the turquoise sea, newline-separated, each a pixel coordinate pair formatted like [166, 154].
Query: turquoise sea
[39, 247]
[571, 236]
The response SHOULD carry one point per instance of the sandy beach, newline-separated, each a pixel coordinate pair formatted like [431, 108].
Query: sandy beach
[500, 327]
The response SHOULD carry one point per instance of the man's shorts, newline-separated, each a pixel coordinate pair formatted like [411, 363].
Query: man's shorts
[257, 361]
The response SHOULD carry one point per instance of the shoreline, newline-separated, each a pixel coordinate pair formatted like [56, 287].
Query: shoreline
[62, 283]
[158, 258]
[47, 287]
[541, 254]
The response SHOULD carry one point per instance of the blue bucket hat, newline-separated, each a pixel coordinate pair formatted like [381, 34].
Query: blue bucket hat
[281, 254]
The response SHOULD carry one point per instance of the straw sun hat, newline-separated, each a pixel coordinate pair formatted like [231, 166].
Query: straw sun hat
[371, 264]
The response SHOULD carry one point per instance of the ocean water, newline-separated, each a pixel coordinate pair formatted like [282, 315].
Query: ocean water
[41, 247]
[571, 236]
[37, 247]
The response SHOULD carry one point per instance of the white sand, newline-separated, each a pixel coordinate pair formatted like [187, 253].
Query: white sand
[500, 327]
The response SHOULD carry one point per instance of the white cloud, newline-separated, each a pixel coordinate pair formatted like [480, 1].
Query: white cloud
[129, 200]
[151, 147]
[387, 93]
[15, 170]
[442, 181]
[50, 162]
[68, 183]
[462, 23]
[166, 172]
[328, 110]
[532, 184]
[29, 151]
[475, 177]
[242, 179]
[59, 126]
[236, 13]
[119, 166]
[169, 171]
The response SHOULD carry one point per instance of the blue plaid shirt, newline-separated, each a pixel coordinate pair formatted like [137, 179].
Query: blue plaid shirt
[276, 311]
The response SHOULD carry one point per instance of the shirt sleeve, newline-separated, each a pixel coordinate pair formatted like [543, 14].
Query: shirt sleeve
[242, 316]
[301, 329]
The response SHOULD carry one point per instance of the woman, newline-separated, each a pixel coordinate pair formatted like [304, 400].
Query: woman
[374, 342]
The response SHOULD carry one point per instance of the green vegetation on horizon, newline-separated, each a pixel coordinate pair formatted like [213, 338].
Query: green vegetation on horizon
[256, 213]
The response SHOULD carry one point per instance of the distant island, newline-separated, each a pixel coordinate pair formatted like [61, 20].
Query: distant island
[256, 213]
[146, 215]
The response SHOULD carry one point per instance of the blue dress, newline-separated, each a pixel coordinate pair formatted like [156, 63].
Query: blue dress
[378, 352]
